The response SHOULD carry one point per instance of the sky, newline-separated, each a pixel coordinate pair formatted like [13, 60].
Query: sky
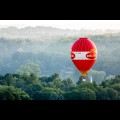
[64, 24]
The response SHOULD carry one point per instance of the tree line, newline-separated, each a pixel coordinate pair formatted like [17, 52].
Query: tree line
[34, 87]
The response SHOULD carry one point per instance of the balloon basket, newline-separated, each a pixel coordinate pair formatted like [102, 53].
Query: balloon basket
[83, 78]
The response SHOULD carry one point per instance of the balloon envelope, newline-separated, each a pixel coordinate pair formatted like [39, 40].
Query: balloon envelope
[83, 54]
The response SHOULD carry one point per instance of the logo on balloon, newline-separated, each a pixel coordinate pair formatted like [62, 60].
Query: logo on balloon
[72, 55]
[91, 55]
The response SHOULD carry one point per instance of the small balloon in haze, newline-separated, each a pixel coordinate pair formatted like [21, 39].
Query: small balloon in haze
[83, 55]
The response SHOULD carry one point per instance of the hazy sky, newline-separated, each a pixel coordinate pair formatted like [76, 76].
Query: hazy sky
[64, 24]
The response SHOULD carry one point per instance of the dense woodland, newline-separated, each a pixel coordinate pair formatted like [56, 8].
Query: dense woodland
[32, 87]
[35, 64]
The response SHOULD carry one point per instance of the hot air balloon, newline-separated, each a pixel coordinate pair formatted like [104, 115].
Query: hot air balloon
[83, 55]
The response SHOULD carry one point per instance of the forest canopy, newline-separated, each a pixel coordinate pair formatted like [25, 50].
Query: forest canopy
[34, 87]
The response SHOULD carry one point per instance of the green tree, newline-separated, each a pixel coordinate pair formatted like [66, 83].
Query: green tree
[113, 94]
[105, 83]
[68, 85]
[72, 95]
[102, 93]
[29, 68]
[53, 96]
[47, 94]
[11, 93]
[116, 87]
[32, 78]
[87, 85]
[111, 82]
[51, 78]
[19, 83]
[82, 94]
[87, 94]
[9, 79]
[2, 80]
[32, 88]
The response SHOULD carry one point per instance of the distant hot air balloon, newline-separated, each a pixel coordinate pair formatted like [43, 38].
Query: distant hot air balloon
[83, 55]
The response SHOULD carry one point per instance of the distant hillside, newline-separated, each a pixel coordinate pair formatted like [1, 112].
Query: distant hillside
[45, 33]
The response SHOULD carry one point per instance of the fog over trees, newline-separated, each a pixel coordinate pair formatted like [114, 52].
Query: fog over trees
[48, 49]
